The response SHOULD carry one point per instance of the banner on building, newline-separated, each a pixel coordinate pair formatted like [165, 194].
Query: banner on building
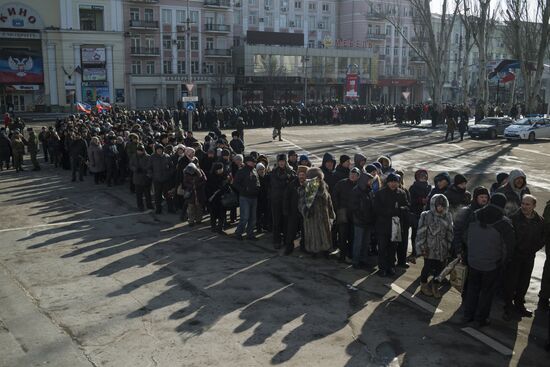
[352, 86]
[93, 55]
[21, 66]
[89, 75]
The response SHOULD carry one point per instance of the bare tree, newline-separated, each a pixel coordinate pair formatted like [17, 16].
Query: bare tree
[466, 44]
[222, 78]
[272, 69]
[431, 37]
[527, 38]
[480, 19]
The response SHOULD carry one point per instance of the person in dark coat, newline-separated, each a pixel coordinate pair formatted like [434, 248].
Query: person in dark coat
[419, 192]
[161, 171]
[277, 124]
[236, 143]
[293, 160]
[78, 153]
[529, 229]
[43, 139]
[501, 180]
[5, 150]
[33, 148]
[544, 294]
[263, 211]
[247, 183]
[514, 191]
[139, 164]
[292, 215]
[96, 159]
[389, 202]
[490, 239]
[54, 148]
[342, 197]
[363, 218]
[194, 184]
[280, 177]
[342, 170]
[110, 157]
[441, 182]
[457, 194]
[217, 185]
[327, 166]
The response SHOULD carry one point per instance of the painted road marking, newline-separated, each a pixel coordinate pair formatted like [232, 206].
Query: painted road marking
[73, 222]
[411, 297]
[302, 149]
[488, 341]
[237, 273]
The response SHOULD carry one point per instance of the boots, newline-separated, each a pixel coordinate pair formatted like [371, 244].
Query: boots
[426, 289]
[435, 290]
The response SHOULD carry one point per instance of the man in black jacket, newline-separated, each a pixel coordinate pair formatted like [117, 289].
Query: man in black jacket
[294, 220]
[389, 202]
[363, 218]
[341, 199]
[78, 152]
[161, 170]
[327, 166]
[279, 179]
[247, 183]
[529, 228]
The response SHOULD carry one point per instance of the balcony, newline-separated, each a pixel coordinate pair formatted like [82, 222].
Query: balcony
[145, 1]
[144, 24]
[217, 52]
[373, 36]
[209, 27]
[374, 16]
[145, 51]
[217, 3]
[416, 59]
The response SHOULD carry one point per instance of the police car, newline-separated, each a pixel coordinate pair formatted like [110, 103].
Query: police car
[528, 128]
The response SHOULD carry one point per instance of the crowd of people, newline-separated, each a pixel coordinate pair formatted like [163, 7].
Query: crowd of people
[348, 208]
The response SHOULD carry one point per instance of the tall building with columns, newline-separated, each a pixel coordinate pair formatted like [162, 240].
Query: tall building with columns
[58, 52]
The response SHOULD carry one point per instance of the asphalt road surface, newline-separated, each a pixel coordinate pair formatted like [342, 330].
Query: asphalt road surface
[88, 281]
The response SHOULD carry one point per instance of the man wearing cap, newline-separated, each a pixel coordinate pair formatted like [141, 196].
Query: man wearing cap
[279, 179]
[389, 202]
[342, 170]
[293, 160]
[32, 148]
[161, 171]
[247, 183]
[342, 197]
[490, 239]
[139, 164]
[236, 143]
[457, 194]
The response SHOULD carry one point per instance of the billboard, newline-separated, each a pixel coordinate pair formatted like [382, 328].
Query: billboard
[89, 75]
[21, 65]
[93, 55]
[352, 86]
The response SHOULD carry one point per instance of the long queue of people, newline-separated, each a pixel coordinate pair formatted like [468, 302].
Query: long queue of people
[350, 207]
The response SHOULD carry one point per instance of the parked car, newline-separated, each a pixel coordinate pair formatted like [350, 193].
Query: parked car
[529, 128]
[490, 127]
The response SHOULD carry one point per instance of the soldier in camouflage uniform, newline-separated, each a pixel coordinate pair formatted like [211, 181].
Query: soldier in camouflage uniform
[32, 147]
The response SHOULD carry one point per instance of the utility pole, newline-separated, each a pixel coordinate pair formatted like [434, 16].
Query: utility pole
[189, 84]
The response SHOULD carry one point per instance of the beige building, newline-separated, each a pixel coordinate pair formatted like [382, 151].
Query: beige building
[58, 52]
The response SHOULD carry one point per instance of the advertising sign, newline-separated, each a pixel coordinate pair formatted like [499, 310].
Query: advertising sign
[352, 86]
[21, 66]
[19, 16]
[94, 74]
[93, 55]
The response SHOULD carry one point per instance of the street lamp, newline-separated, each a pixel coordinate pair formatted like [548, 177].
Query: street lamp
[306, 59]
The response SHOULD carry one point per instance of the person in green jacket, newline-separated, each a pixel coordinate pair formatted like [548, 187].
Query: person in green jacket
[32, 147]
[18, 149]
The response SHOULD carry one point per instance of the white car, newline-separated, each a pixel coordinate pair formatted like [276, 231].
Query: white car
[529, 128]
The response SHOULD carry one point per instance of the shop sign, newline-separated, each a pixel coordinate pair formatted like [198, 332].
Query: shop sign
[16, 15]
[25, 87]
[20, 35]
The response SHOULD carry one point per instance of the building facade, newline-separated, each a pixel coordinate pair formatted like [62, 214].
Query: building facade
[56, 53]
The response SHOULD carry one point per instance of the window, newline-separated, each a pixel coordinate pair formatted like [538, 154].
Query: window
[388, 30]
[395, 51]
[405, 31]
[167, 67]
[237, 17]
[253, 18]
[194, 43]
[325, 22]
[150, 67]
[298, 21]
[404, 52]
[209, 43]
[180, 17]
[282, 21]
[150, 43]
[166, 16]
[376, 29]
[208, 68]
[136, 67]
[326, 7]
[268, 20]
[403, 69]
[194, 67]
[148, 14]
[369, 29]
[252, 3]
[134, 14]
[284, 5]
[166, 42]
[311, 43]
[180, 42]
[311, 22]
[209, 19]
[194, 16]
[181, 67]
[268, 4]
[387, 50]
[91, 18]
[135, 42]
[312, 5]
[456, 57]
[297, 5]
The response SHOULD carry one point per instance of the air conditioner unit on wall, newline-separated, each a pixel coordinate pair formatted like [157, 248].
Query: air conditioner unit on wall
[284, 10]
[267, 8]
[320, 26]
[291, 24]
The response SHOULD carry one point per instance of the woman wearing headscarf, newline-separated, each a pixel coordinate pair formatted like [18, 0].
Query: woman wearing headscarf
[315, 205]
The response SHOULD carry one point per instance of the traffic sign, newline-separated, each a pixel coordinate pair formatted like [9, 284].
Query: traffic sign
[190, 99]
[189, 87]
[190, 106]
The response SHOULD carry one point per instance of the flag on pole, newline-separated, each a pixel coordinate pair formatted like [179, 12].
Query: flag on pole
[102, 106]
[83, 107]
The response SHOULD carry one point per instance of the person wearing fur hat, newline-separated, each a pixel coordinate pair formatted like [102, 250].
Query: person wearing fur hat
[217, 185]
[389, 202]
[279, 179]
[247, 183]
[193, 185]
[490, 239]
[457, 194]
[433, 242]
[315, 205]
[292, 215]
[236, 143]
